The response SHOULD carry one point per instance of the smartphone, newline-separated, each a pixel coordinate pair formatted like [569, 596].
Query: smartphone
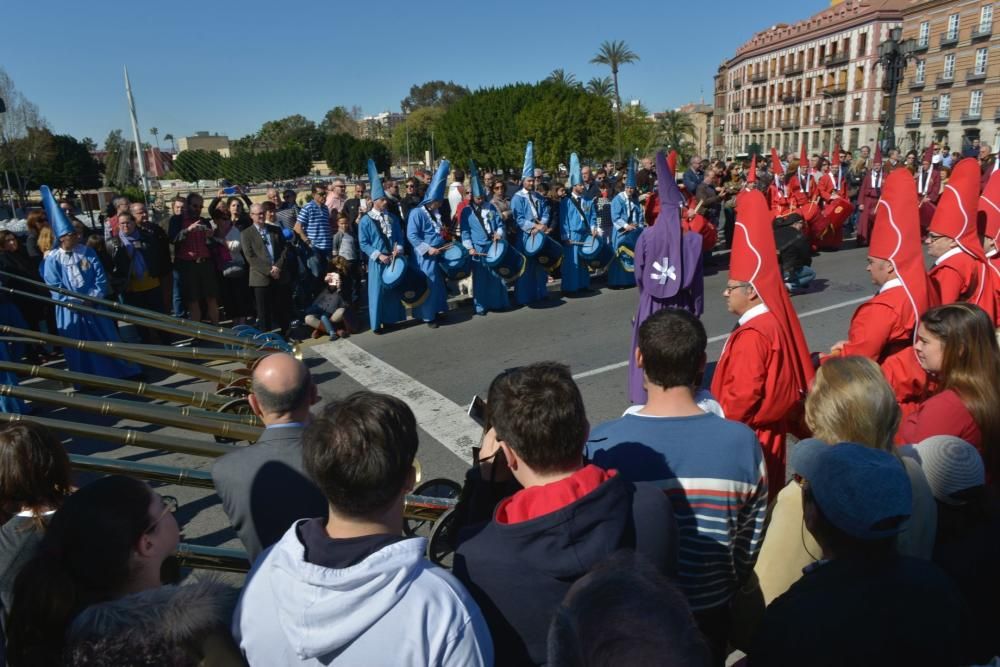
[477, 410]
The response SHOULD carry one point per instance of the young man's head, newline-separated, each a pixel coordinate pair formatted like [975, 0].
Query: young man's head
[671, 351]
[360, 453]
[538, 415]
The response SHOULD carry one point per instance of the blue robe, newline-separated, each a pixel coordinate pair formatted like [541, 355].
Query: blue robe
[575, 230]
[531, 286]
[384, 307]
[82, 326]
[489, 291]
[424, 233]
[620, 217]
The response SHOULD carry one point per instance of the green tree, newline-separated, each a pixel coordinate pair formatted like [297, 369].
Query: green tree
[290, 131]
[155, 131]
[362, 150]
[338, 120]
[417, 129]
[615, 54]
[639, 131]
[337, 152]
[433, 94]
[70, 165]
[602, 86]
[675, 131]
[562, 77]
[198, 165]
[169, 137]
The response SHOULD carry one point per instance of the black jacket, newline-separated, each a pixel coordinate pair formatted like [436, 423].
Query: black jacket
[519, 573]
[122, 264]
[794, 250]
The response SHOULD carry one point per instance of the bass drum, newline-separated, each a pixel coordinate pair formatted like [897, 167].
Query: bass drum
[545, 250]
[392, 275]
[505, 260]
[456, 262]
[406, 280]
[625, 249]
[596, 252]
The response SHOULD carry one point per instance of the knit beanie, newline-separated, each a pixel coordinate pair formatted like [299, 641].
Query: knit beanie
[950, 465]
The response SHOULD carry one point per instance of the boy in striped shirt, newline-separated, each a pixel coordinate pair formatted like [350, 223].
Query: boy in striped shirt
[711, 469]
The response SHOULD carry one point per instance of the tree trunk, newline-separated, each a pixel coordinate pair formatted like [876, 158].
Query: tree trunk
[618, 115]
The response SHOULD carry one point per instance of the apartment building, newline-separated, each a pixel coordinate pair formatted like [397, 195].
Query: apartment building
[949, 93]
[817, 81]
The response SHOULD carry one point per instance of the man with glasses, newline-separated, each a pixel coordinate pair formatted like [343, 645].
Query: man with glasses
[287, 210]
[313, 227]
[412, 198]
[765, 369]
[270, 272]
[198, 277]
[337, 198]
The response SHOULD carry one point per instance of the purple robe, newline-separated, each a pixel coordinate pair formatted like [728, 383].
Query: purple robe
[668, 269]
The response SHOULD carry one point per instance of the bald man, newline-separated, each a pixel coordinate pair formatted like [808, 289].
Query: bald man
[263, 487]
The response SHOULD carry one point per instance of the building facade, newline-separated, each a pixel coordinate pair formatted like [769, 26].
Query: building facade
[380, 126]
[701, 116]
[950, 93]
[203, 141]
[817, 82]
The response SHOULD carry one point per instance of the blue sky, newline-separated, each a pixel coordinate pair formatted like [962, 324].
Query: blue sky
[227, 66]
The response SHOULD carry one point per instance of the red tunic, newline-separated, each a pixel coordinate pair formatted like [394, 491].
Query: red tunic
[868, 196]
[881, 326]
[928, 199]
[941, 414]
[755, 384]
[961, 277]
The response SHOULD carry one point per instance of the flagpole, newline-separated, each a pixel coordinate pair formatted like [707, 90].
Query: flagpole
[135, 137]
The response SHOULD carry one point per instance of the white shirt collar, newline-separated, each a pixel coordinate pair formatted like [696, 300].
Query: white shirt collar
[950, 253]
[992, 253]
[759, 309]
[889, 284]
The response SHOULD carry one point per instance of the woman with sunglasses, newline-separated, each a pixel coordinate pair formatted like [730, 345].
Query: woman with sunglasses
[93, 593]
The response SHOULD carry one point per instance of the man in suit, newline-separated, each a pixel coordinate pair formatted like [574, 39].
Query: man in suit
[263, 487]
[270, 271]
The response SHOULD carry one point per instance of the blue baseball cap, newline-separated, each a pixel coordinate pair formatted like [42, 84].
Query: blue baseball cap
[858, 489]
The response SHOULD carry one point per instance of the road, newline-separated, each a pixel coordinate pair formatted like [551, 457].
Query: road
[438, 371]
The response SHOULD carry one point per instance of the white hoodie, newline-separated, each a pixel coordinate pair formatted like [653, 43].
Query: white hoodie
[393, 608]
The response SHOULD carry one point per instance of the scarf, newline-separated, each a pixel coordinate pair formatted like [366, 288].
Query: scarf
[923, 183]
[531, 202]
[73, 263]
[138, 264]
[384, 223]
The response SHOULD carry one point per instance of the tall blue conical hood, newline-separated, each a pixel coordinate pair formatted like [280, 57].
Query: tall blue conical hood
[575, 173]
[375, 181]
[435, 191]
[476, 187]
[528, 171]
[630, 178]
[57, 217]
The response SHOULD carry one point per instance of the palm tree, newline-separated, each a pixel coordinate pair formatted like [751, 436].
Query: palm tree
[602, 87]
[676, 131]
[563, 78]
[169, 137]
[614, 55]
[155, 131]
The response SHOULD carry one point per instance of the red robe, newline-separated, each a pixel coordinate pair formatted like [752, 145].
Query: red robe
[754, 383]
[960, 278]
[868, 196]
[929, 199]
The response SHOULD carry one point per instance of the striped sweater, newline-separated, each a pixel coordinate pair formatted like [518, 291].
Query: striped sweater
[712, 470]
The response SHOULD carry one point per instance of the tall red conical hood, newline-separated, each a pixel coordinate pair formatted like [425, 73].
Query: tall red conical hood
[956, 213]
[754, 260]
[835, 158]
[989, 207]
[752, 174]
[803, 157]
[672, 162]
[929, 155]
[896, 237]
[878, 155]
[776, 167]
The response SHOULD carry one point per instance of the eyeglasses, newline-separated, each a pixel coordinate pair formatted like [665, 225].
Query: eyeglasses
[730, 288]
[932, 237]
[170, 506]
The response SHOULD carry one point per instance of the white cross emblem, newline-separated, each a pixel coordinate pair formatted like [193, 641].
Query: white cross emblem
[665, 271]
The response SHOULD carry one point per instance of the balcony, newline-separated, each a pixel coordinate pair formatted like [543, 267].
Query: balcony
[835, 91]
[759, 77]
[982, 32]
[756, 127]
[944, 80]
[793, 70]
[941, 117]
[949, 40]
[789, 125]
[791, 99]
[921, 45]
[831, 119]
[972, 115]
[737, 84]
[734, 128]
[758, 104]
[912, 122]
[973, 75]
[737, 106]
[835, 59]
[916, 83]
[996, 115]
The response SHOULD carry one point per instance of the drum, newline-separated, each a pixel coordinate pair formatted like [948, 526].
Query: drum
[456, 263]
[625, 250]
[505, 260]
[407, 281]
[596, 252]
[392, 275]
[545, 250]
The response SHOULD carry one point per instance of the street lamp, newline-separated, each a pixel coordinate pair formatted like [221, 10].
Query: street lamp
[893, 54]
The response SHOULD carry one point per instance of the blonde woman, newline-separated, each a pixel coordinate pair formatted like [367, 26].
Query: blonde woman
[850, 401]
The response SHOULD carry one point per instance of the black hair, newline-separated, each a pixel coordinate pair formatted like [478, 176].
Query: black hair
[34, 470]
[538, 411]
[83, 559]
[672, 343]
[458, 175]
[360, 450]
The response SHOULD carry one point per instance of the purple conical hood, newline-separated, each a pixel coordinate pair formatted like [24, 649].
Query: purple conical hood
[662, 247]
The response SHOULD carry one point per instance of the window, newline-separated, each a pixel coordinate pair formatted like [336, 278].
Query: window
[952, 27]
[981, 55]
[944, 105]
[925, 34]
[856, 109]
[862, 44]
[915, 111]
[986, 18]
[975, 103]
[918, 74]
[949, 66]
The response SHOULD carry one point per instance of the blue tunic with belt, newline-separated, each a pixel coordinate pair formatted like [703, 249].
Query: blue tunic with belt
[379, 237]
[531, 286]
[80, 270]
[576, 228]
[624, 211]
[489, 291]
[423, 230]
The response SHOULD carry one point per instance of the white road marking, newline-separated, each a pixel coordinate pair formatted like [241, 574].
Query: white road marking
[716, 339]
[445, 421]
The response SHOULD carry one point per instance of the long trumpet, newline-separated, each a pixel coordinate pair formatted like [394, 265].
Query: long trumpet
[243, 355]
[222, 378]
[199, 399]
[127, 436]
[193, 329]
[221, 425]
